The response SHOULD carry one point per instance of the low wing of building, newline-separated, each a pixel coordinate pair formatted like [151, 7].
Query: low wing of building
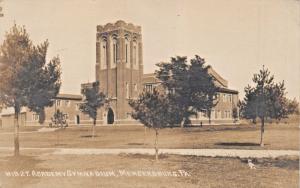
[226, 102]
[68, 104]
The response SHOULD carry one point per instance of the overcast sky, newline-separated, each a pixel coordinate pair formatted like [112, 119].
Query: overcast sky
[236, 37]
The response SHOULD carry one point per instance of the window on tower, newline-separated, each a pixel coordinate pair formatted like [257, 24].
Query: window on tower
[103, 54]
[115, 50]
[127, 51]
[134, 55]
[127, 90]
[126, 48]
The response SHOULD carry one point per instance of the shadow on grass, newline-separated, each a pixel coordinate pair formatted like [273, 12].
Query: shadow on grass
[237, 144]
[213, 128]
[136, 144]
[143, 156]
[88, 136]
[60, 144]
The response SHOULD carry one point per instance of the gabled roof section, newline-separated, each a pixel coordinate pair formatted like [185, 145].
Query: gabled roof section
[220, 81]
[226, 90]
[150, 78]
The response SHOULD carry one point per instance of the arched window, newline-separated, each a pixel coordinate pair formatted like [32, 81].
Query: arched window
[115, 49]
[135, 55]
[127, 51]
[103, 53]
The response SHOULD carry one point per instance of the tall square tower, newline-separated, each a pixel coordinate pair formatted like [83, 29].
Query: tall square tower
[119, 68]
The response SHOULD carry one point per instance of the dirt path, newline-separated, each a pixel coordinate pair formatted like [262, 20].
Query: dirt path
[193, 152]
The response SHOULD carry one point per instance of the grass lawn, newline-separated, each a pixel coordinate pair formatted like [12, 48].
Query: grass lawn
[245, 136]
[204, 172]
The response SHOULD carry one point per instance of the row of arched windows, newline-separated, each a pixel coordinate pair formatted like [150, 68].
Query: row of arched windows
[114, 52]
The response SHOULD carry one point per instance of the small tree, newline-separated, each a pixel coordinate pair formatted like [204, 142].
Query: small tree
[155, 112]
[248, 105]
[93, 100]
[59, 119]
[265, 100]
[235, 114]
[26, 79]
[292, 106]
[1, 14]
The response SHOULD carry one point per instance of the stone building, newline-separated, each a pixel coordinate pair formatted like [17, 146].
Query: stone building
[119, 70]
[65, 103]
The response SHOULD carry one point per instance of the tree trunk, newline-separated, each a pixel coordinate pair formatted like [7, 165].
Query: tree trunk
[94, 125]
[156, 147]
[209, 117]
[58, 130]
[262, 130]
[182, 122]
[16, 135]
[145, 135]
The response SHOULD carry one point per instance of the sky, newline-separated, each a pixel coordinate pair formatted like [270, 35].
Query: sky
[236, 37]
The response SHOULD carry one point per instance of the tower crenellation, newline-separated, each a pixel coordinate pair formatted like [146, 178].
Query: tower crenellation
[120, 24]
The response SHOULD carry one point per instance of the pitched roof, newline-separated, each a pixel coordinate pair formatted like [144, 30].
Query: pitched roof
[226, 90]
[220, 81]
[68, 97]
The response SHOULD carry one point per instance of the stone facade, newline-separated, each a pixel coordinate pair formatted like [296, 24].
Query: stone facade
[65, 103]
[119, 70]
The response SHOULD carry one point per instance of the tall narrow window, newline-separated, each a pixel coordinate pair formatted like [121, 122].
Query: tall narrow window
[57, 102]
[126, 53]
[103, 54]
[127, 90]
[35, 117]
[115, 53]
[149, 88]
[134, 55]
[115, 50]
